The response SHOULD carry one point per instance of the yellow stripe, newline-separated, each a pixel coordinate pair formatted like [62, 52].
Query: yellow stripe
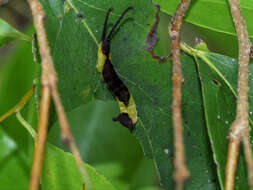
[130, 109]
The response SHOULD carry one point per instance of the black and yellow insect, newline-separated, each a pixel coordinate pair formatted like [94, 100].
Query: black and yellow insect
[128, 113]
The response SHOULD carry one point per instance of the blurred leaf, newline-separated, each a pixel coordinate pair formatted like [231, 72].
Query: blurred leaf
[145, 176]
[61, 172]
[97, 137]
[17, 74]
[148, 188]
[6, 144]
[219, 10]
[75, 57]
[8, 34]
[218, 32]
[13, 165]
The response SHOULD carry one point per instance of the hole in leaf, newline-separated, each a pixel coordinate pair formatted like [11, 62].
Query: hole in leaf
[216, 82]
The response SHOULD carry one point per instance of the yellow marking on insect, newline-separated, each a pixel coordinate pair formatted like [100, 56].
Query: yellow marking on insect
[101, 59]
[130, 109]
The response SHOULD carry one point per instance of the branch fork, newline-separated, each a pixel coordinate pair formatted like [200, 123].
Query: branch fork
[238, 129]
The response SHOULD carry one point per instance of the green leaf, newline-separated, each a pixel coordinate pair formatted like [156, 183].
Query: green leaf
[13, 165]
[219, 11]
[218, 76]
[8, 146]
[17, 74]
[97, 138]
[145, 176]
[61, 172]
[8, 34]
[218, 32]
[75, 56]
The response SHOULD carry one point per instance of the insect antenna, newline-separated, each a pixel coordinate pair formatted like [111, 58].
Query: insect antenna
[117, 23]
[105, 24]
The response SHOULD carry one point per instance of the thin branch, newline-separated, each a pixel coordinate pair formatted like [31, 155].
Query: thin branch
[181, 173]
[233, 153]
[239, 130]
[41, 139]
[68, 138]
[49, 87]
[19, 106]
[248, 157]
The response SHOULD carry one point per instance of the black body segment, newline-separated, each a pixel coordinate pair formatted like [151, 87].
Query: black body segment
[114, 83]
[125, 120]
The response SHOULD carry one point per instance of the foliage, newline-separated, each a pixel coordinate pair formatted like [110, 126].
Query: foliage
[209, 97]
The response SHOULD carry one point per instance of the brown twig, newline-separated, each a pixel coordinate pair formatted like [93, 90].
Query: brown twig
[41, 138]
[181, 173]
[68, 138]
[248, 157]
[239, 130]
[49, 87]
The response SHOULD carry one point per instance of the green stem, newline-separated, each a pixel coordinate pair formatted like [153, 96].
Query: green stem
[18, 106]
[26, 125]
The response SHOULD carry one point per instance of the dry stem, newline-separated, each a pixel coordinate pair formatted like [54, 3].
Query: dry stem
[41, 139]
[248, 157]
[68, 138]
[49, 87]
[239, 129]
[181, 173]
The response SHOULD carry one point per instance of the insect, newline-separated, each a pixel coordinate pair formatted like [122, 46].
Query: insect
[128, 113]
[79, 15]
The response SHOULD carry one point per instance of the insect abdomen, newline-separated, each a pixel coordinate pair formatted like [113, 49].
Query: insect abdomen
[114, 83]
